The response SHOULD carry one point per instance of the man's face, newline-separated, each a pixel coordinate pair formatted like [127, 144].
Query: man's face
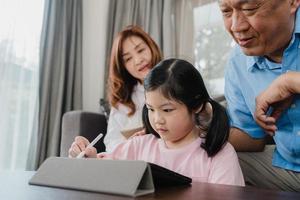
[260, 27]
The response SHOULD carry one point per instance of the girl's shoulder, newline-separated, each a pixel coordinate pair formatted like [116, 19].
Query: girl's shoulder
[228, 147]
[227, 151]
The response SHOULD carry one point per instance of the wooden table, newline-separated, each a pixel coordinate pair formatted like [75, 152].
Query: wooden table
[14, 186]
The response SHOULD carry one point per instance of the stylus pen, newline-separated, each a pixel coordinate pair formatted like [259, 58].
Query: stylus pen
[90, 145]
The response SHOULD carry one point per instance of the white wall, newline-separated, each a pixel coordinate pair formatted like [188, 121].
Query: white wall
[94, 34]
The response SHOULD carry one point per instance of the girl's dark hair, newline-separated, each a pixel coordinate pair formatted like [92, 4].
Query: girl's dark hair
[180, 81]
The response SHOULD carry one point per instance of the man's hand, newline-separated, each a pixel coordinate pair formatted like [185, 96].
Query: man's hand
[277, 97]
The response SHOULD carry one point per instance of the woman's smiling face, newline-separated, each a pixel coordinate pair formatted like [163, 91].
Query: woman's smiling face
[137, 57]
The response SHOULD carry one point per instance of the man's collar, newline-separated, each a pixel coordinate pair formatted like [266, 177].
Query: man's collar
[260, 62]
[297, 22]
[254, 61]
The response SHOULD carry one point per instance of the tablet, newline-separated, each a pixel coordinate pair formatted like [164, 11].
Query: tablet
[121, 177]
[163, 177]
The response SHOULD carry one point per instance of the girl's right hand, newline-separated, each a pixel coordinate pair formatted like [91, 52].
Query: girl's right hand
[80, 145]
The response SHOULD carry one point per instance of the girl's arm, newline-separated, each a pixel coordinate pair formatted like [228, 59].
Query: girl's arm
[225, 168]
[127, 150]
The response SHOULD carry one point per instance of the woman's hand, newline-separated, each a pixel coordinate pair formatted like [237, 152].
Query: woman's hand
[80, 145]
[139, 133]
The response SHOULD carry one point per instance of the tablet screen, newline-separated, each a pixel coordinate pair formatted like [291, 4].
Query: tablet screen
[164, 177]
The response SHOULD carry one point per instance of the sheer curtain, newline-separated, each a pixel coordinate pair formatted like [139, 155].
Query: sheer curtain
[20, 23]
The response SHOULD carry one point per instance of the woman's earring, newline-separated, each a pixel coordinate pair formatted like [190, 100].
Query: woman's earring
[202, 135]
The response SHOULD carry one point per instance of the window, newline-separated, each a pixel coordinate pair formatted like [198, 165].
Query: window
[212, 44]
[21, 23]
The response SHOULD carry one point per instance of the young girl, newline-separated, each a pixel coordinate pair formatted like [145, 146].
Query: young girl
[188, 131]
[133, 55]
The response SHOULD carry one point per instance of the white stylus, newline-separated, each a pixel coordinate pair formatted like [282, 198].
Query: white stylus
[90, 145]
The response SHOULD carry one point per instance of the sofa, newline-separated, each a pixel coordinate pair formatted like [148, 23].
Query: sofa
[83, 123]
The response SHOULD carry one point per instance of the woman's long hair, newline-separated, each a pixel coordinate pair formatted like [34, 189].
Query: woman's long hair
[120, 81]
[180, 81]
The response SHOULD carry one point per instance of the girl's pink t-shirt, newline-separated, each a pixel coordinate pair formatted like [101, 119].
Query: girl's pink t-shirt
[190, 160]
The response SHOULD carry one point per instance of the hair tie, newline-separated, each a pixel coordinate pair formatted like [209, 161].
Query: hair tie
[210, 100]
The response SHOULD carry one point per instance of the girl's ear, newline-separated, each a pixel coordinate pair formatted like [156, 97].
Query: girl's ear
[198, 110]
[205, 109]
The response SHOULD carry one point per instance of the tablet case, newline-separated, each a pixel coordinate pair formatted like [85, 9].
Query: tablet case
[121, 177]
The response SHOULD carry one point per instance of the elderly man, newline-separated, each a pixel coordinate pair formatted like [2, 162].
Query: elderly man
[268, 36]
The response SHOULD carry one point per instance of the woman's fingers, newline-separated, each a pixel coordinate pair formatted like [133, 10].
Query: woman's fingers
[139, 133]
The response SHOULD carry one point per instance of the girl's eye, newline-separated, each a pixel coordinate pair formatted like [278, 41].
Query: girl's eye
[168, 110]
